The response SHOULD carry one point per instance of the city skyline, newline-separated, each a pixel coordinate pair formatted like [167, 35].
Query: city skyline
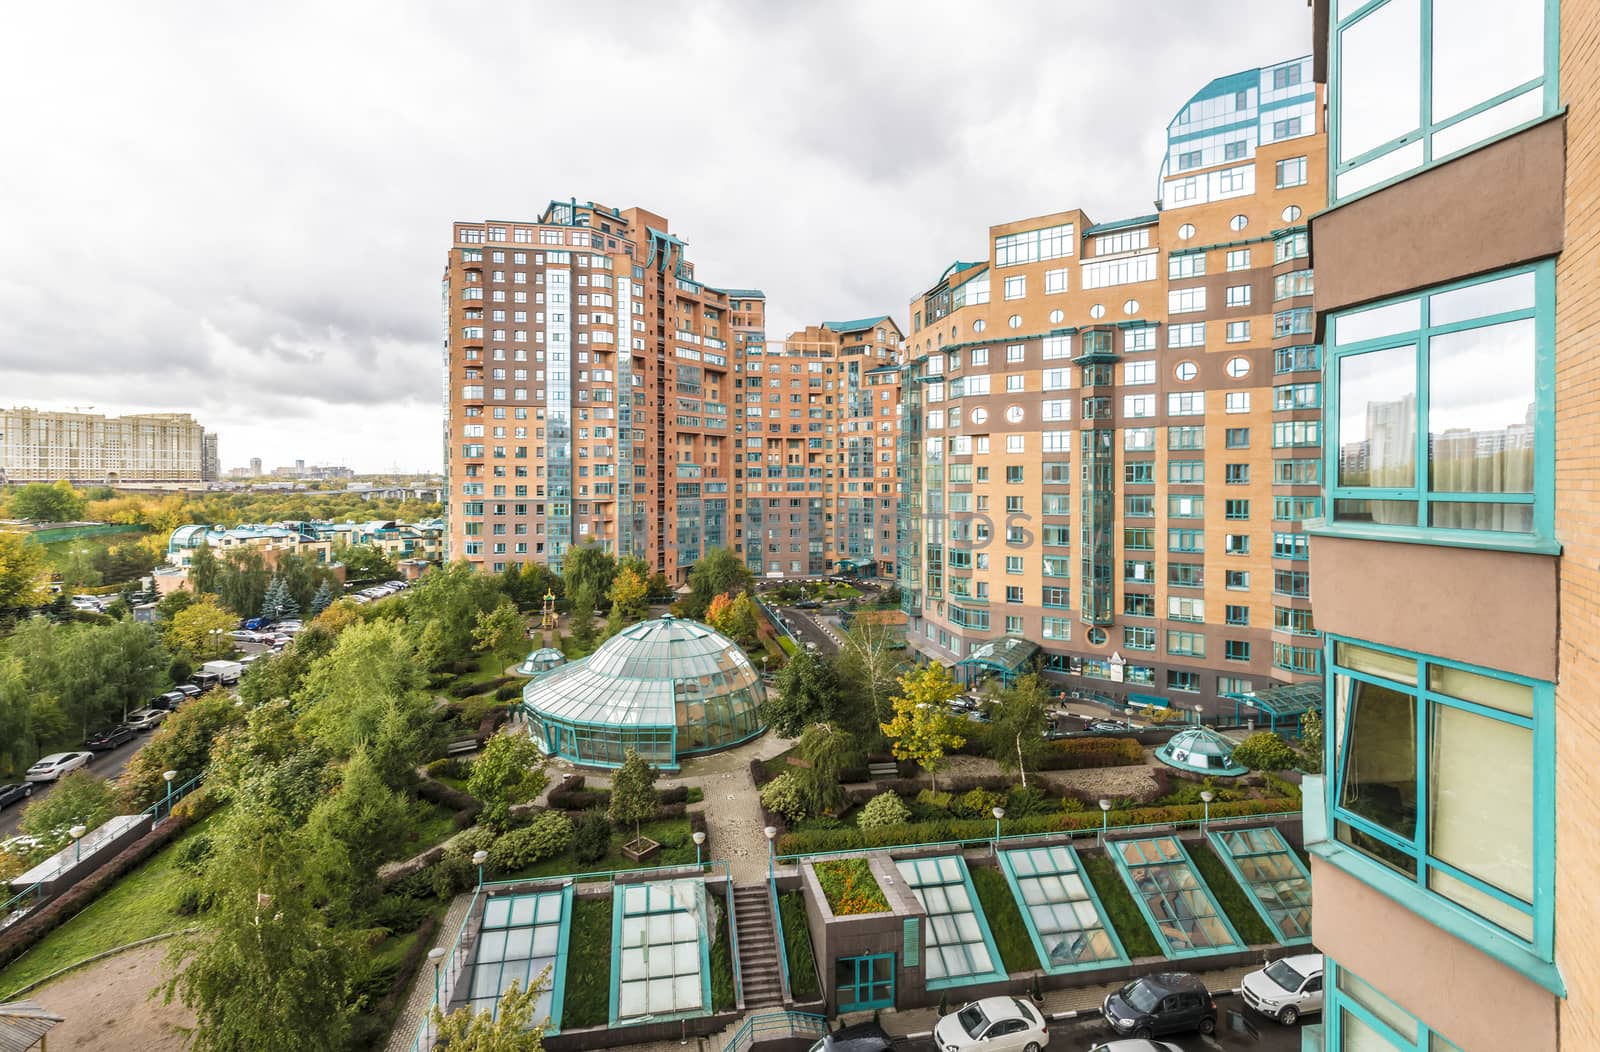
[309, 284]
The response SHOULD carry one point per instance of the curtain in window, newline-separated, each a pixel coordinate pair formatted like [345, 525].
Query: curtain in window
[1380, 772]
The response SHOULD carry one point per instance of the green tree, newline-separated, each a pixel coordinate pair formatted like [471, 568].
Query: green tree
[44, 502]
[301, 576]
[1311, 741]
[80, 798]
[443, 610]
[242, 581]
[169, 605]
[1017, 721]
[203, 569]
[513, 1027]
[826, 752]
[78, 569]
[627, 594]
[868, 668]
[717, 572]
[182, 743]
[323, 599]
[804, 692]
[581, 619]
[200, 630]
[633, 792]
[588, 565]
[24, 573]
[357, 826]
[510, 770]
[263, 966]
[368, 562]
[922, 729]
[369, 690]
[499, 627]
[659, 586]
[93, 674]
[1265, 751]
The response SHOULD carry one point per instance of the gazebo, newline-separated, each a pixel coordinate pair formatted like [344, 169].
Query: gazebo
[1200, 750]
[25, 1025]
[1286, 703]
[541, 661]
[1008, 657]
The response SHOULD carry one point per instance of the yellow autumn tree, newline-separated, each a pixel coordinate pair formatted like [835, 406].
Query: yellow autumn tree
[923, 730]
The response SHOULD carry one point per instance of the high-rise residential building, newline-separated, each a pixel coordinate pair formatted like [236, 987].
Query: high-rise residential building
[1110, 431]
[589, 378]
[1456, 568]
[255, 467]
[43, 446]
[816, 487]
[210, 457]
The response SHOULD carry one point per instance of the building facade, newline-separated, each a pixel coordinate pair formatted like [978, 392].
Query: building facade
[1454, 569]
[1109, 432]
[42, 446]
[589, 377]
[210, 457]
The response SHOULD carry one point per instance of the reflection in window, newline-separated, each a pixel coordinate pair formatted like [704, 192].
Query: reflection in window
[1377, 418]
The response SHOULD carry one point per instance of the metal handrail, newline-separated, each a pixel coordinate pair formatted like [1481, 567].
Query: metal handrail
[153, 812]
[446, 987]
[783, 942]
[789, 1023]
[1015, 838]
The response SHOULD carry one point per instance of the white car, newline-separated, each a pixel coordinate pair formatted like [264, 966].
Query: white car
[1136, 1044]
[1286, 989]
[146, 719]
[994, 1024]
[49, 768]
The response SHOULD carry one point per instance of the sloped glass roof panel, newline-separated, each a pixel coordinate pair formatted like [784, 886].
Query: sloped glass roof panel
[1186, 918]
[1059, 905]
[959, 948]
[522, 935]
[662, 957]
[1273, 877]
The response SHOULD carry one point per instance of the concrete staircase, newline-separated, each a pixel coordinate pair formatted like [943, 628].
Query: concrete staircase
[758, 947]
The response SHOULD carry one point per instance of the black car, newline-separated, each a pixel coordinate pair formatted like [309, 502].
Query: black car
[169, 701]
[858, 1037]
[1164, 1003]
[807, 604]
[10, 794]
[108, 739]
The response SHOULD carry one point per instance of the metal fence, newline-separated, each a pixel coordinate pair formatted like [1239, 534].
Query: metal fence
[770, 1026]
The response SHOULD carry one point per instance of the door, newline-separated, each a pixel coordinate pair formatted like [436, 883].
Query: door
[865, 982]
[1311, 999]
[1007, 1034]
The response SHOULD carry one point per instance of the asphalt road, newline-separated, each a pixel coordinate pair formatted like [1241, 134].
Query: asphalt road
[105, 764]
[806, 628]
[1079, 1035]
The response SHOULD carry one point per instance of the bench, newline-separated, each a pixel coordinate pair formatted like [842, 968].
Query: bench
[460, 747]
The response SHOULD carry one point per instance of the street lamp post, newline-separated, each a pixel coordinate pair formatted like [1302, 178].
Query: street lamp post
[169, 776]
[478, 859]
[763, 666]
[1199, 716]
[436, 955]
[1206, 796]
[699, 839]
[76, 832]
[999, 813]
[1105, 818]
[772, 833]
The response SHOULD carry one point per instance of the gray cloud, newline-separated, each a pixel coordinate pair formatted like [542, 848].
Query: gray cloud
[242, 211]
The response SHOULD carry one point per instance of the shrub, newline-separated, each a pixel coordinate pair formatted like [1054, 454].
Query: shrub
[478, 838]
[591, 836]
[1021, 802]
[192, 853]
[782, 796]
[978, 803]
[936, 801]
[885, 809]
[507, 692]
[1072, 754]
[1265, 751]
[451, 875]
[547, 837]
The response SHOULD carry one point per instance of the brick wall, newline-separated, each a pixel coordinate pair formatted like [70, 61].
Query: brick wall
[1578, 526]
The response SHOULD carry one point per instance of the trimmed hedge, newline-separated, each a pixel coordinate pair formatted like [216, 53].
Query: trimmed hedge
[803, 843]
[1073, 754]
[447, 796]
[580, 799]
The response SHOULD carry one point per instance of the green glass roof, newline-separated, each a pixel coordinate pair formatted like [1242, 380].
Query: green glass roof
[1008, 654]
[1202, 750]
[854, 325]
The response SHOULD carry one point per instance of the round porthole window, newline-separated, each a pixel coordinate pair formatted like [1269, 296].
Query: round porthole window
[1239, 222]
[1238, 367]
[1291, 213]
[1097, 637]
[1186, 231]
[980, 415]
[1097, 311]
[1186, 371]
[1130, 307]
[1014, 414]
[1056, 317]
[979, 325]
[1015, 321]
[952, 332]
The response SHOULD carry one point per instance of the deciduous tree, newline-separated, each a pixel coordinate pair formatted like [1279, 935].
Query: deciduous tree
[922, 729]
[1016, 728]
[511, 1028]
[368, 562]
[200, 630]
[24, 573]
[46, 502]
[203, 569]
[498, 627]
[868, 667]
[627, 594]
[510, 770]
[804, 692]
[716, 572]
[633, 792]
[79, 798]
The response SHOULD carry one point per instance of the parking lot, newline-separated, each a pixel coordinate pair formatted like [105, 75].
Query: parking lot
[1079, 1035]
[105, 764]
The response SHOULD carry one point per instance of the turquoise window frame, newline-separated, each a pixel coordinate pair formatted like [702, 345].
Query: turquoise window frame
[1543, 313]
[1279, 847]
[1008, 867]
[1427, 127]
[1534, 958]
[1335, 1003]
[1186, 861]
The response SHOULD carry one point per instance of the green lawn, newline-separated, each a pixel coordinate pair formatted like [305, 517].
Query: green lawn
[431, 824]
[673, 834]
[1005, 920]
[797, 945]
[136, 907]
[1234, 899]
[587, 998]
[1132, 929]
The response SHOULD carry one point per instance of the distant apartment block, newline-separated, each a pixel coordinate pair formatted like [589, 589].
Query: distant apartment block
[1112, 431]
[319, 541]
[43, 446]
[210, 458]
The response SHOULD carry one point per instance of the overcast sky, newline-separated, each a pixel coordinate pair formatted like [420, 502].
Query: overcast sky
[242, 210]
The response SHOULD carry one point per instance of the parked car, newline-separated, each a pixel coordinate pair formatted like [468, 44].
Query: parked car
[205, 680]
[188, 690]
[287, 628]
[49, 768]
[146, 719]
[244, 635]
[858, 1037]
[1164, 1003]
[807, 604]
[994, 1024]
[110, 738]
[169, 701]
[1286, 989]
[10, 794]
[1136, 1044]
[256, 624]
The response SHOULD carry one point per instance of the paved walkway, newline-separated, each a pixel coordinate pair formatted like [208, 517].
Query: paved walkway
[415, 1010]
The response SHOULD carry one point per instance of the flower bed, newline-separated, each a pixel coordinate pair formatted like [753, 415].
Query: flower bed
[850, 887]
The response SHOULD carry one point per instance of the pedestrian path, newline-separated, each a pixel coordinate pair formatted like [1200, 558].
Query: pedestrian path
[415, 1010]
